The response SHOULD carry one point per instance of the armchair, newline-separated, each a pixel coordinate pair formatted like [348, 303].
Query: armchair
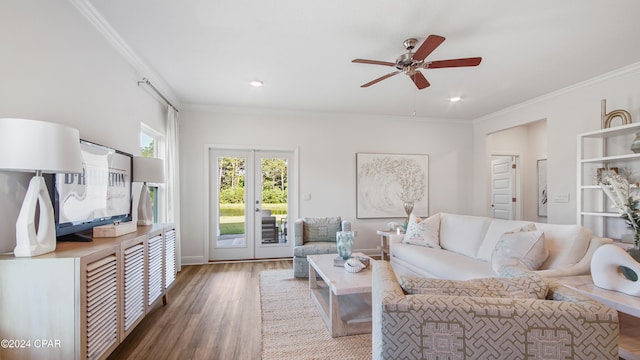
[313, 236]
[565, 325]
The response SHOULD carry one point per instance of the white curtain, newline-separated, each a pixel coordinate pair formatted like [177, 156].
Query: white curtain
[172, 182]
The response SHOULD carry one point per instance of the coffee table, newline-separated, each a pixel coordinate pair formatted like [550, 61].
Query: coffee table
[628, 311]
[343, 298]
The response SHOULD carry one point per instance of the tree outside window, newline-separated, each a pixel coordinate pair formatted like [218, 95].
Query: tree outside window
[148, 149]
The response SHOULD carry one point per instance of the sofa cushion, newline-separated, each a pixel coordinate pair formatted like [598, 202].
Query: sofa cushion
[496, 229]
[423, 232]
[321, 229]
[315, 248]
[525, 246]
[527, 286]
[463, 234]
[567, 244]
[438, 263]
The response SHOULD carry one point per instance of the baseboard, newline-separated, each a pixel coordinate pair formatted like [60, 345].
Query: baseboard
[193, 260]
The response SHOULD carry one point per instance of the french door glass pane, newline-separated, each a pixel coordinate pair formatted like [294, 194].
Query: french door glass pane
[274, 200]
[231, 206]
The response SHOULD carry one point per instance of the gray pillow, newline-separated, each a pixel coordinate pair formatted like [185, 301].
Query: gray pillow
[321, 229]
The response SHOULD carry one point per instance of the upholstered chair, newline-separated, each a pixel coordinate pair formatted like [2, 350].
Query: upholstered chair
[490, 318]
[313, 236]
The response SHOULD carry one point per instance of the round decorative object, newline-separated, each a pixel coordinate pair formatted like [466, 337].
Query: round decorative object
[606, 261]
[364, 260]
[353, 265]
[635, 145]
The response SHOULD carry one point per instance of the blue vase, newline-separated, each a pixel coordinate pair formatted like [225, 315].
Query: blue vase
[344, 240]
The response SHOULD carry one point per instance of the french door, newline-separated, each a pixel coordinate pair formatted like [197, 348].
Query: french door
[250, 204]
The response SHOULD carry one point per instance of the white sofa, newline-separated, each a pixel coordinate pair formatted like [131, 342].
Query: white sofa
[468, 243]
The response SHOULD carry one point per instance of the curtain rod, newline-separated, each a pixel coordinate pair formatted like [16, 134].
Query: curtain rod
[146, 81]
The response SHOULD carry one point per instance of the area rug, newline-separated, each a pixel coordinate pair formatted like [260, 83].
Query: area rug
[292, 327]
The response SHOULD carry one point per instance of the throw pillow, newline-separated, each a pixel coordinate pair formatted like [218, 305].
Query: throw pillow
[525, 286]
[321, 229]
[423, 232]
[524, 246]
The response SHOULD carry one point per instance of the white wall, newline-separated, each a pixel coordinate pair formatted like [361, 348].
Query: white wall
[568, 112]
[529, 143]
[327, 145]
[56, 67]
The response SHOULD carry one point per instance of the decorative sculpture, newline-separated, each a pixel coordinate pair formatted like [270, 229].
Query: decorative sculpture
[606, 118]
[604, 269]
[354, 265]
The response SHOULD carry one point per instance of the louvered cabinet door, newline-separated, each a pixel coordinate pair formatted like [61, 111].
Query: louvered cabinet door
[101, 301]
[170, 257]
[133, 307]
[155, 271]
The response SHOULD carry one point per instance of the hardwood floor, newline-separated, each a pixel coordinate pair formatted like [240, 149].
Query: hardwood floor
[213, 312]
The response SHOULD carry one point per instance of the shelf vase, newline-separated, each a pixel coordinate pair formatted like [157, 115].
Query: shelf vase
[635, 145]
[344, 240]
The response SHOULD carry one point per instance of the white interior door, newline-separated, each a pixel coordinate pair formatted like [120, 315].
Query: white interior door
[249, 204]
[503, 186]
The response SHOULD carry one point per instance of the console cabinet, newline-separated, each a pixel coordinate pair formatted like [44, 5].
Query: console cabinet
[82, 300]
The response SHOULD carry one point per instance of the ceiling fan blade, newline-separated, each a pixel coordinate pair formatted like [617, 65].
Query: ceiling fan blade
[427, 47]
[373, 62]
[419, 79]
[475, 61]
[379, 79]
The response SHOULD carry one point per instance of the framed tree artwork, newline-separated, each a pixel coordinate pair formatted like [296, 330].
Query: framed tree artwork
[542, 187]
[386, 182]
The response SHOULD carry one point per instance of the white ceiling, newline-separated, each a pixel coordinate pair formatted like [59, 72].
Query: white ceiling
[207, 51]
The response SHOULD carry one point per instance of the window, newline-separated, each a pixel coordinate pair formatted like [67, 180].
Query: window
[151, 146]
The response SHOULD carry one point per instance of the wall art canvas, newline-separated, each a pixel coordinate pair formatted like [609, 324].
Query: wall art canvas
[386, 181]
[542, 187]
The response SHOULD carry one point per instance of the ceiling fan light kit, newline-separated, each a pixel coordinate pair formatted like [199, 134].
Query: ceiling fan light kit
[410, 62]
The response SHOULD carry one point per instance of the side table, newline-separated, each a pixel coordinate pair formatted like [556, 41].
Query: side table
[628, 311]
[384, 242]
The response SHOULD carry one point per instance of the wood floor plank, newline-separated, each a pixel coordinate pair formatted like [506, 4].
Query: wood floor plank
[213, 312]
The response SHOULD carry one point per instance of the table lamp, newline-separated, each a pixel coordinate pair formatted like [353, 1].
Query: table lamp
[146, 169]
[43, 147]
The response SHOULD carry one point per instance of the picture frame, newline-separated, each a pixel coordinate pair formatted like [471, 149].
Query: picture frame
[542, 187]
[602, 173]
[384, 182]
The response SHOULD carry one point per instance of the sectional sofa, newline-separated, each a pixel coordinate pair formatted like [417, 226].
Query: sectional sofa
[489, 318]
[462, 247]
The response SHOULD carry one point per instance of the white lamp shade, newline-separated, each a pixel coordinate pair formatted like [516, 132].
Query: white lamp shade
[30, 145]
[147, 169]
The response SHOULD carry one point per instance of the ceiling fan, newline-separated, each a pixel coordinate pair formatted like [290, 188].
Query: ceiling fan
[410, 62]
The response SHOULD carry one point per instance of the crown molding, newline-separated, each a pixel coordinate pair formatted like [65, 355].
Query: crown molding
[633, 68]
[111, 35]
[302, 114]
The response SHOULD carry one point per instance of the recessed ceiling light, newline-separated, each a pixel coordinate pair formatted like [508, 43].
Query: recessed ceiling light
[256, 83]
[455, 98]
